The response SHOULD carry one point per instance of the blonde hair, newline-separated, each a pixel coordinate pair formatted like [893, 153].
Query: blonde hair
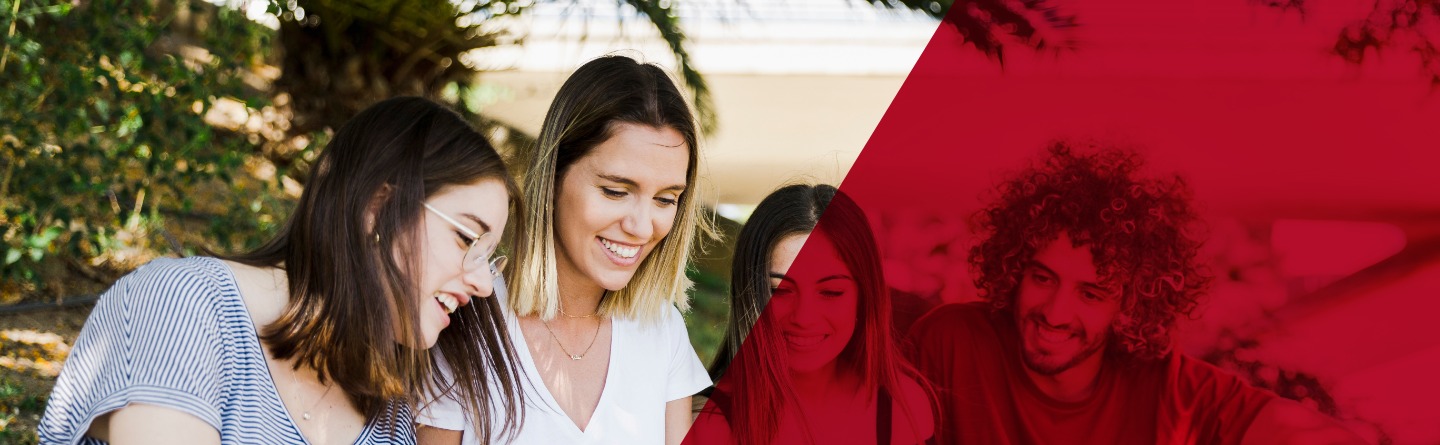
[601, 93]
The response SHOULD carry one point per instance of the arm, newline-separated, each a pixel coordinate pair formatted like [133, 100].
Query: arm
[711, 427]
[686, 377]
[428, 435]
[677, 420]
[154, 329]
[149, 424]
[1284, 421]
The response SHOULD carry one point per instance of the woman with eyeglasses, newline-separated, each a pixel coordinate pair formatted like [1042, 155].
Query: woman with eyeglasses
[595, 303]
[809, 355]
[323, 335]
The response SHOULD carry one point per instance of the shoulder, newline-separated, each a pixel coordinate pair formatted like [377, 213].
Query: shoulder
[171, 289]
[159, 336]
[1192, 373]
[667, 335]
[264, 290]
[1248, 414]
[170, 274]
[670, 347]
[661, 329]
[188, 308]
[1192, 385]
[673, 317]
[675, 333]
[1203, 382]
[912, 408]
[912, 395]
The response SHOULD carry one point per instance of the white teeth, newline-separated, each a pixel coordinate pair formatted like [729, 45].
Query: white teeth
[448, 301]
[1053, 335]
[618, 250]
[805, 340]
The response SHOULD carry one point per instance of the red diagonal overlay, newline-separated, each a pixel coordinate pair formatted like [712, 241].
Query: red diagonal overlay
[1313, 177]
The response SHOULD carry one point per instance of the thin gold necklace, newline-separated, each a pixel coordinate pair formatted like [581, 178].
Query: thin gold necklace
[294, 380]
[562, 345]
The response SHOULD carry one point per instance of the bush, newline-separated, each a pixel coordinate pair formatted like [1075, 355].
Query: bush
[110, 129]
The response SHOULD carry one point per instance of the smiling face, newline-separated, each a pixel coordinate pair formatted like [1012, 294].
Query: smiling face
[815, 305]
[1063, 314]
[615, 204]
[478, 208]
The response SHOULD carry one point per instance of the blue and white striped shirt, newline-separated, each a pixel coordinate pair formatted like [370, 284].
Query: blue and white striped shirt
[176, 334]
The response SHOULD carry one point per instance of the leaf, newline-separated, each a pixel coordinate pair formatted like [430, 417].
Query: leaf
[80, 134]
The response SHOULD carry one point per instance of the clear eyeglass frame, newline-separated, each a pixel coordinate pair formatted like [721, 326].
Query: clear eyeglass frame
[481, 247]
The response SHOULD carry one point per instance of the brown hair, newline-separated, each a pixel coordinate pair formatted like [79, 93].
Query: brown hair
[350, 297]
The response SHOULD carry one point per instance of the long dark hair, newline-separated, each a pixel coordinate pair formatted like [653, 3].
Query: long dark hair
[350, 296]
[756, 387]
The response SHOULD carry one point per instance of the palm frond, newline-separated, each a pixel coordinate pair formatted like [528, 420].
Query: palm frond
[991, 25]
[662, 15]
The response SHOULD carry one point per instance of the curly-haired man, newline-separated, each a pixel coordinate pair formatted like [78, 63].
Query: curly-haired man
[1084, 267]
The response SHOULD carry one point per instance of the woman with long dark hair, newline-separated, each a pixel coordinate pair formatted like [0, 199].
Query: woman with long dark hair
[323, 335]
[595, 304]
[808, 355]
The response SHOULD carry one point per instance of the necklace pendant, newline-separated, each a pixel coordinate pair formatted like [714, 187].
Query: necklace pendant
[576, 357]
[305, 415]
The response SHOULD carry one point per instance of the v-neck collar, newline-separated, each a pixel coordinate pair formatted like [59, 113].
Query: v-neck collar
[537, 381]
[272, 391]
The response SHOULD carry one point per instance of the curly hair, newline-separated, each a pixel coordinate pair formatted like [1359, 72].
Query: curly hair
[1142, 232]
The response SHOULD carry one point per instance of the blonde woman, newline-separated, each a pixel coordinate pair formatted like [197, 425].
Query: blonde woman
[596, 299]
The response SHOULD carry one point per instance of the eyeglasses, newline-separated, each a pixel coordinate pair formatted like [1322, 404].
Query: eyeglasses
[480, 249]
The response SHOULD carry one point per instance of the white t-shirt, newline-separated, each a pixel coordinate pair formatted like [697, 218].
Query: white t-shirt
[649, 366]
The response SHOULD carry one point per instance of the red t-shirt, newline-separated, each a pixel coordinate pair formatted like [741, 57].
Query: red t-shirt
[972, 356]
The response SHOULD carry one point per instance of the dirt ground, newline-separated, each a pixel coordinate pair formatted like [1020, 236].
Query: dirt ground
[32, 346]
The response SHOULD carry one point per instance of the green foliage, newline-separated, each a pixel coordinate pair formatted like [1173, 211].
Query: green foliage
[103, 129]
[709, 312]
[662, 15]
[341, 56]
[17, 404]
